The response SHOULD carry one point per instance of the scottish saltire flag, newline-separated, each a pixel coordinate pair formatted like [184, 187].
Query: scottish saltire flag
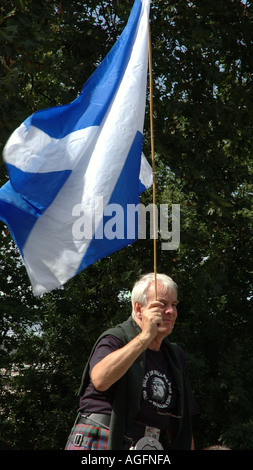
[72, 167]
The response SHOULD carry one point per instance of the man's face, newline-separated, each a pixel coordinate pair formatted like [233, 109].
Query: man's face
[169, 300]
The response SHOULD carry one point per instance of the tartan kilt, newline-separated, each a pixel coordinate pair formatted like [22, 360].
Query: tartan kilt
[92, 438]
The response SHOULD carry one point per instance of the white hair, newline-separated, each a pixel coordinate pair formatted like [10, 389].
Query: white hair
[140, 289]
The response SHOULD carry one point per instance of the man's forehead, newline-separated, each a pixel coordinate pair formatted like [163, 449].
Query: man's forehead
[161, 290]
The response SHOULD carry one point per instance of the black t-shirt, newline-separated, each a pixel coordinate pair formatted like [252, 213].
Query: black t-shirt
[92, 400]
[159, 393]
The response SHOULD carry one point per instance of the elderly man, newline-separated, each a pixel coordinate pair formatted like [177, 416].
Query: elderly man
[135, 391]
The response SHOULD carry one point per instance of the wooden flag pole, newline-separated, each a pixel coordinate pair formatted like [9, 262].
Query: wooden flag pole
[152, 155]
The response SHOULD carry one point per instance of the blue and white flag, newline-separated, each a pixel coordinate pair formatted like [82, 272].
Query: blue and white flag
[71, 168]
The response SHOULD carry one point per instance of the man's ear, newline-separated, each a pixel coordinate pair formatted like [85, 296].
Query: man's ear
[138, 310]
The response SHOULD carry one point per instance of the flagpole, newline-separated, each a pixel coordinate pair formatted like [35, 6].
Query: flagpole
[152, 155]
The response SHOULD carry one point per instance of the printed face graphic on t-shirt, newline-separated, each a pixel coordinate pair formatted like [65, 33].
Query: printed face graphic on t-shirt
[157, 389]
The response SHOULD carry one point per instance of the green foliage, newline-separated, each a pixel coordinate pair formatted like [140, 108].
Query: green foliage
[203, 121]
